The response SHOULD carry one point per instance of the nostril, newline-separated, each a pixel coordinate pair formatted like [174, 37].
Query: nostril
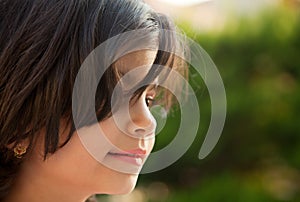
[139, 131]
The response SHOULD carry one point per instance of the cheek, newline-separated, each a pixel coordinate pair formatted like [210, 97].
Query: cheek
[73, 166]
[70, 166]
[110, 131]
[74, 159]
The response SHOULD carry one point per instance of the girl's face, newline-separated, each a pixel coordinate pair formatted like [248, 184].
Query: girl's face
[73, 168]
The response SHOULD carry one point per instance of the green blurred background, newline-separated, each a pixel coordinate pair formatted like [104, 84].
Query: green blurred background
[258, 155]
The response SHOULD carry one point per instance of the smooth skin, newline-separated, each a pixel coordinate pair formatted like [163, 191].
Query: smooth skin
[71, 174]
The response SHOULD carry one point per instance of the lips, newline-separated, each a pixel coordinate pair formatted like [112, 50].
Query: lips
[135, 157]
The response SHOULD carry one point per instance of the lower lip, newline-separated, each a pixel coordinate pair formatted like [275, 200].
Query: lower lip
[138, 161]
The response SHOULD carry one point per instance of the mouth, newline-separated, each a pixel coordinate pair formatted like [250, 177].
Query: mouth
[132, 158]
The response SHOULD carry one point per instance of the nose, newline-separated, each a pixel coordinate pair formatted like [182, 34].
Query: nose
[142, 122]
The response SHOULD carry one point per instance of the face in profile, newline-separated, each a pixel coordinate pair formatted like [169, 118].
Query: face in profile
[127, 141]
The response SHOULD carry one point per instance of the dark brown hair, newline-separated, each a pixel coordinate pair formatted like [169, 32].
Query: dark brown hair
[42, 46]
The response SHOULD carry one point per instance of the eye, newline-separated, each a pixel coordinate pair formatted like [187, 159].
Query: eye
[149, 101]
[150, 95]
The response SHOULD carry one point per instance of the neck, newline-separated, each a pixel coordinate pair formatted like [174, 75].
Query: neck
[35, 187]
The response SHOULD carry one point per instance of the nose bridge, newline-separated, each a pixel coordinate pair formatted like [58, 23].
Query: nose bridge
[142, 122]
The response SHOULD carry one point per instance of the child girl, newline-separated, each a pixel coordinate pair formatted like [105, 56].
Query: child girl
[42, 46]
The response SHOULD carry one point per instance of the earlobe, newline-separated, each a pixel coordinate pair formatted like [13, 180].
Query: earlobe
[20, 150]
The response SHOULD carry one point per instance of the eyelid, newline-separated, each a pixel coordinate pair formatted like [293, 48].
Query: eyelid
[151, 99]
[152, 87]
[151, 91]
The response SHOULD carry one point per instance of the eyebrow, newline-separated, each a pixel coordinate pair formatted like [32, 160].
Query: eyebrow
[152, 86]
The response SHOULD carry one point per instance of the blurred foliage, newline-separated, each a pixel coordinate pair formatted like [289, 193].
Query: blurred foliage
[258, 155]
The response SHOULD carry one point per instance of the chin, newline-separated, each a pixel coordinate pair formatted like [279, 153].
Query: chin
[124, 186]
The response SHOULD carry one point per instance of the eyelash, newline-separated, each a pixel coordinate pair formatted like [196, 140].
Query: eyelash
[149, 99]
[150, 96]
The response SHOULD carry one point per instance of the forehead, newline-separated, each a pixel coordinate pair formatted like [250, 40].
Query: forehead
[136, 59]
[135, 66]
